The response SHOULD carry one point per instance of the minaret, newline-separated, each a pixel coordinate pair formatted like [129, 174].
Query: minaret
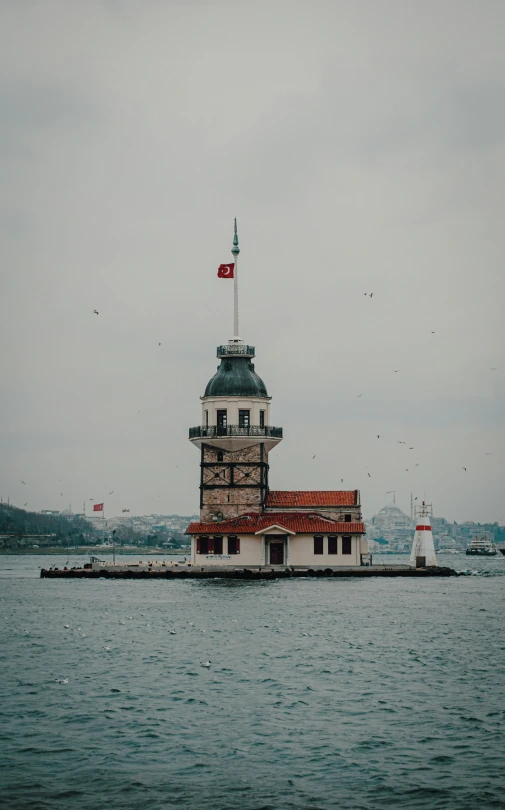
[235, 435]
[423, 547]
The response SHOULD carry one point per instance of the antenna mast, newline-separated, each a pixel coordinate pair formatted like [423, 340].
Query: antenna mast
[235, 251]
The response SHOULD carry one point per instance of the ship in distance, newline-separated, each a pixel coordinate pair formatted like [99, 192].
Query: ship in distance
[481, 547]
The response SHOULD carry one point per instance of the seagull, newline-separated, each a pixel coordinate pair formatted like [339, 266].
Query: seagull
[399, 442]
[173, 632]
[369, 475]
[464, 468]
[111, 493]
[206, 664]
[61, 680]
[365, 293]
[411, 448]
[433, 333]
[359, 395]
[488, 454]
[415, 498]
[396, 370]
[96, 312]
[25, 504]
[313, 457]
[406, 469]
[61, 493]
[23, 482]
[492, 368]
[159, 344]
[67, 626]
[341, 480]
[416, 465]
[371, 295]
[378, 436]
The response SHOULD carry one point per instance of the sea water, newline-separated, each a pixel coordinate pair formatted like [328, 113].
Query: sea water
[321, 693]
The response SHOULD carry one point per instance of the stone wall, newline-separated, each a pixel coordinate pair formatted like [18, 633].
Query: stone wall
[231, 501]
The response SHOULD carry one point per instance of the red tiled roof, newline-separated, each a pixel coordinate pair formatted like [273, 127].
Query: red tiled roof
[301, 523]
[277, 498]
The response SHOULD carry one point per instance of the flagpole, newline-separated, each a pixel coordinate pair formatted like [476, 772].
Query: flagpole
[235, 251]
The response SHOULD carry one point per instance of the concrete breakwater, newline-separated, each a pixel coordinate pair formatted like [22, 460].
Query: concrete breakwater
[246, 573]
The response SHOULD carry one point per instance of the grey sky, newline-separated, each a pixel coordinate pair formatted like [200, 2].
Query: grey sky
[362, 147]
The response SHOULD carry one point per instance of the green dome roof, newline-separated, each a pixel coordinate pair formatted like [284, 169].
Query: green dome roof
[236, 377]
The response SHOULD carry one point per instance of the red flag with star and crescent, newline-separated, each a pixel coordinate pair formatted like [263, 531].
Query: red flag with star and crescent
[226, 270]
[98, 507]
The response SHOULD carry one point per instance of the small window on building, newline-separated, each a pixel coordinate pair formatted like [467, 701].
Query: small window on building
[262, 418]
[233, 545]
[348, 518]
[244, 418]
[347, 545]
[218, 545]
[206, 419]
[318, 544]
[202, 545]
[221, 419]
[219, 455]
[332, 544]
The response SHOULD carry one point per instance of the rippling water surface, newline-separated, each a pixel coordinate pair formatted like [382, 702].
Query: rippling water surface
[321, 693]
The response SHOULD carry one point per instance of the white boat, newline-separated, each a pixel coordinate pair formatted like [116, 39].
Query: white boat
[481, 547]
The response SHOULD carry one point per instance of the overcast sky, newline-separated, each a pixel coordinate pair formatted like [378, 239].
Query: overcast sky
[360, 143]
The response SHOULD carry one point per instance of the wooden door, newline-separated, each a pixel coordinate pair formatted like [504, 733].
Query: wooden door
[276, 553]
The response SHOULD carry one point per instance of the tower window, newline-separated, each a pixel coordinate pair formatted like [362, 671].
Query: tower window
[221, 421]
[318, 544]
[244, 418]
[348, 518]
[206, 419]
[332, 545]
[346, 545]
[219, 455]
[262, 418]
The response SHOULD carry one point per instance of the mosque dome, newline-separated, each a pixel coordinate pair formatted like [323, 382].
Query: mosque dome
[236, 377]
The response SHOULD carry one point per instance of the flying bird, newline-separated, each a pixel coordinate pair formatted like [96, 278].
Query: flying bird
[111, 493]
[96, 312]
[488, 454]
[396, 370]
[25, 504]
[464, 468]
[406, 469]
[399, 442]
[23, 482]
[371, 295]
[411, 448]
[159, 344]
[61, 493]
[313, 457]
[378, 435]
[359, 395]
[416, 465]
[433, 333]
[341, 480]
[369, 475]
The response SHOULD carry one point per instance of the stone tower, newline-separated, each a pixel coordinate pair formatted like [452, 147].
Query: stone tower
[235, 435]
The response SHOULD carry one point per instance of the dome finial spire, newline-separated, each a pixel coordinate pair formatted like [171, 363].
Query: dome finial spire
[235, 249]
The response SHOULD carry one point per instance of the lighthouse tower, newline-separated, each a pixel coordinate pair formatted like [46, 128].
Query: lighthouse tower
[423, 547]
[234, 436]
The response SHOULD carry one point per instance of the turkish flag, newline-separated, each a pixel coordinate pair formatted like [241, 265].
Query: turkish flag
[226, 270]
[98, 507]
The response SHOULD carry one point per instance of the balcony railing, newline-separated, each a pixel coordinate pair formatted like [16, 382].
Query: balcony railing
[214, 431]
[235, 348]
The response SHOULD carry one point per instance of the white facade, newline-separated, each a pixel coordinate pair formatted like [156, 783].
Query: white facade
[232, 405]
[423, 547]
[297, 551]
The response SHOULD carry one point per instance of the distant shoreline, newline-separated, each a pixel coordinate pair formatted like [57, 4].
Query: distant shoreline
[99, 550]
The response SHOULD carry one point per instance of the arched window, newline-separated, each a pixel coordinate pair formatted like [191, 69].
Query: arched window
[219, 455]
